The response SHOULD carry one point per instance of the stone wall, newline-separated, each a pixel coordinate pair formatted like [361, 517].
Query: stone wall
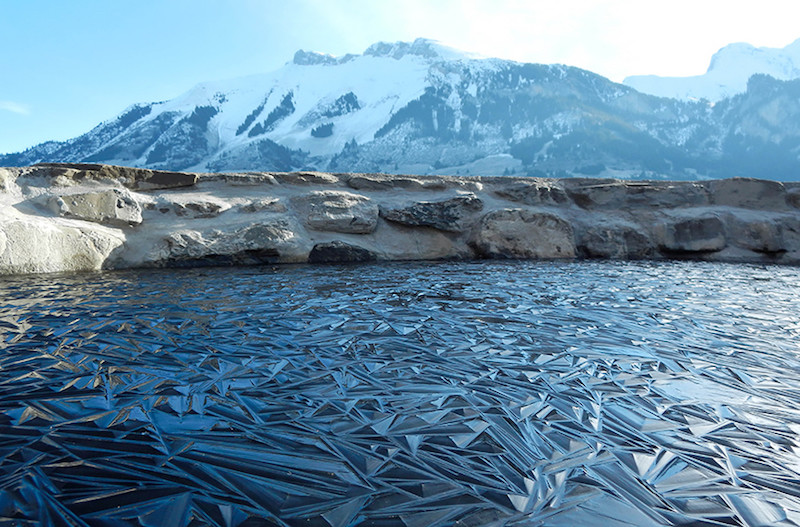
[62, 217]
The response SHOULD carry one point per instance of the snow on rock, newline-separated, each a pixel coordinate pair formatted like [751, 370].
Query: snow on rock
[730, 69]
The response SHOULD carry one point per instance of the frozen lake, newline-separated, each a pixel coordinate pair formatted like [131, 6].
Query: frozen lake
[408, 394]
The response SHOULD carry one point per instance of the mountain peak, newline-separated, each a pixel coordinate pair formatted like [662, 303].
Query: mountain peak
[397, 50]
[421, 47]
[733, 52]
[727, 74]
[315, 58]
[312, 58]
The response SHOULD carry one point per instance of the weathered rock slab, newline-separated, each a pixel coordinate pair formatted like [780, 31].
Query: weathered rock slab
[236, 179]
[748, 193]
[692, 235]
[337, 211]
[305, 178]
[110, 207]
[616, 242]
[594, 193]
[450, 215]
[36, 245]
[392, 182]
[521, 233]
[664, 195]
[614, 194]
[757, 235]
[264, 205]
[269, 242]
[199, 208]
[69, 174]
[533, 192]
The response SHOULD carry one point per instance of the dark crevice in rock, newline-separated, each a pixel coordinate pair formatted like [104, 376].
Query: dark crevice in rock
[340, 252]
[246, 257]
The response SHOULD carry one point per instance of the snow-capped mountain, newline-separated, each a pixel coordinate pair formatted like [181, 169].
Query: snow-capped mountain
[422, 108]
[727, 75]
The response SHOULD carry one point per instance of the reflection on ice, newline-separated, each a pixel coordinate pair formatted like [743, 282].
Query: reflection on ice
[466, 394]
[695, 391]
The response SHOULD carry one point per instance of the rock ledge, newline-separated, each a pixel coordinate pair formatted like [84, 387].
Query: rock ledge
[72, 217]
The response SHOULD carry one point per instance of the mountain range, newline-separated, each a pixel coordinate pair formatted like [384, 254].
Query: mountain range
[423, 108]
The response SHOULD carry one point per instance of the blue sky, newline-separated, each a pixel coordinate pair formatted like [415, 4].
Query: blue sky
[68, 65]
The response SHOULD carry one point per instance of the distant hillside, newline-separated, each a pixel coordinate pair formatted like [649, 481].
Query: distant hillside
[421, 108]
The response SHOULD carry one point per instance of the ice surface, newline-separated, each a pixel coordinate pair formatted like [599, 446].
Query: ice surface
[516, 393]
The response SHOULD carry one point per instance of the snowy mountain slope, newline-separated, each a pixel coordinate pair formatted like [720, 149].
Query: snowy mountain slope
[422, 108]
[727, 75]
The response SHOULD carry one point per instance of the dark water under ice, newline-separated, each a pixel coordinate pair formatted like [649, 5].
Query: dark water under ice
[468, 394]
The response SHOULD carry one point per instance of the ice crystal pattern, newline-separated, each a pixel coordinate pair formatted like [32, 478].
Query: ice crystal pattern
[464, 394]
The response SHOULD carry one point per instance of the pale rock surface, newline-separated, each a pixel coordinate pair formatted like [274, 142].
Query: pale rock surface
[692, 235]
[793, 198]
[401, 242]
[617, 241]
[755, 233]
[664, 195]
[38, 245]
[305, 178]
[200, 208]
[595, 193]
[533, 192]
[521, 233]
[392, 182]
[612, 194]
[72, 174]
[337, 211]
[748, 193]
[247, 179]
[384, 182]
[110, 207]
[263, 205]
[277, 241]
[7, 180]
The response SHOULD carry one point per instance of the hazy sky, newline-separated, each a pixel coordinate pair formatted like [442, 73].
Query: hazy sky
[65, 65]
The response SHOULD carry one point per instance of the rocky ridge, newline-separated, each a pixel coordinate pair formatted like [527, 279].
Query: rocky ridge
[77, 217]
